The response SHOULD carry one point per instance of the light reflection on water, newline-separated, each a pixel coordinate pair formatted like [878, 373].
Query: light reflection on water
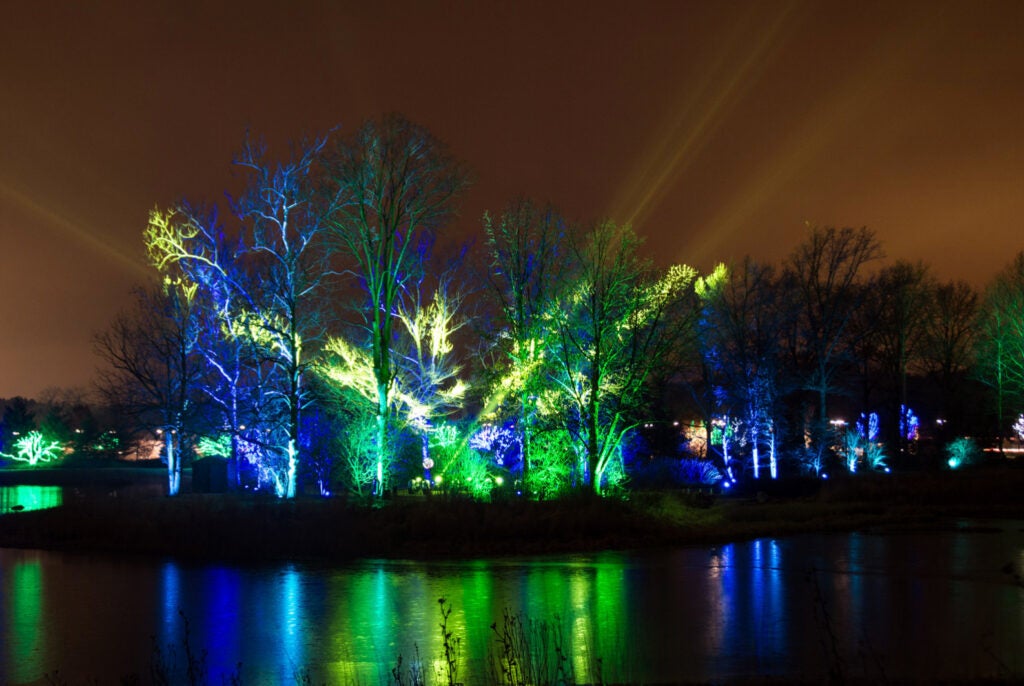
[28, 497]
[934, 605]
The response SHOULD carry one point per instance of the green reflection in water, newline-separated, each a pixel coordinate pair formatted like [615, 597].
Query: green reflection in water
[25, 497]
[26, 647]
[362, 637]
[388, 610]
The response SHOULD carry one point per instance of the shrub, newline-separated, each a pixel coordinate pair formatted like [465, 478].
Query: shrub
[961, 451]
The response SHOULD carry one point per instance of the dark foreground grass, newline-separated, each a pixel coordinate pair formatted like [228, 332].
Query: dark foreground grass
[522, 652]
[244, 527]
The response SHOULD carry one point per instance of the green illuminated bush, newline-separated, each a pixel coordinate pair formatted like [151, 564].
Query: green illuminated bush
[961, 451]
[35, 448]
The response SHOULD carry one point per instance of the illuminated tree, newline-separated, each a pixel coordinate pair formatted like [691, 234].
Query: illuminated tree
[274, 300]
[152, 371]
[34, 448]
[428, 377]
[610, 325]
[359, 454]
[426, 387]
[826, 272]
[527, 258]
[960, 452]
[190, 246]
[1000, 346]
[396, 184]
[742, 328]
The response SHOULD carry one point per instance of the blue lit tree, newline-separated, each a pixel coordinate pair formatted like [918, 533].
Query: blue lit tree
[189, 246]
[276, 299]
[743, 328]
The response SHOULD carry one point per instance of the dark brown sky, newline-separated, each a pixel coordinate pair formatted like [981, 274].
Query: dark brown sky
[717, 128]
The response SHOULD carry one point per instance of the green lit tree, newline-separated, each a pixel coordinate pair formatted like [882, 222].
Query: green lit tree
[18, 419]
[611, 325]
[426, 387]
[34, 448]
[396, 184]
[527, 261]
[1000, 346]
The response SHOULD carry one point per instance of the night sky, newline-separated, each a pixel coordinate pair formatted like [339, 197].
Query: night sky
[718, 129]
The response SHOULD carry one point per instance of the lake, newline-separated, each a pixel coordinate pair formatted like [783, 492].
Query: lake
[923, 604]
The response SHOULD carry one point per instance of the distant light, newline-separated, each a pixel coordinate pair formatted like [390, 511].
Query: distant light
[824, 475]
[498, 480]
[726, 484]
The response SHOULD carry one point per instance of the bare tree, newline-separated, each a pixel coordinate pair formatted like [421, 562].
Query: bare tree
[904, 294]
[825, 271]
[152, 370]
[949, 341]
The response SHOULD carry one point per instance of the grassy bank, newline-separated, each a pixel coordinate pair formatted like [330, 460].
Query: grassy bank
[235, 527]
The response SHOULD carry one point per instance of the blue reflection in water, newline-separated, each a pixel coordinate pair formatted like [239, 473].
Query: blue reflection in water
[171, 630]
[291, 615]
[749, 616]
[222, 633]
[932, 606]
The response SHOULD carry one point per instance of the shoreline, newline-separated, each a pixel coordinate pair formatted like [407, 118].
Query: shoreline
[247, 528]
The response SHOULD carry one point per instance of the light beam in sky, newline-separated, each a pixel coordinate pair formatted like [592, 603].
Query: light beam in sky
[89, 237]
[821, 130]
[702, 110]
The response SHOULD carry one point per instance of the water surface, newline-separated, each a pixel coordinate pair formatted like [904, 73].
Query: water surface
[923, 605]
[22, 498]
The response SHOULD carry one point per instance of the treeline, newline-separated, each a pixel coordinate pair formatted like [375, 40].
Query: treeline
[310, 335]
